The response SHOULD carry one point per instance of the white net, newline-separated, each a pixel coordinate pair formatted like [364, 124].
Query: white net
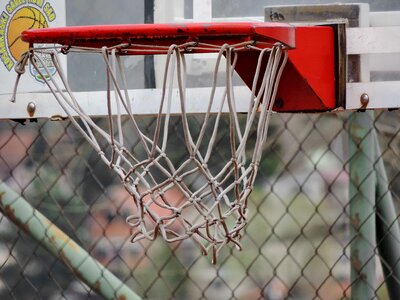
[191, 198]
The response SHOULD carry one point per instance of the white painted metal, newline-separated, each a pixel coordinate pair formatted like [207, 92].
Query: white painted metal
[202, 10]
[168, 11]
[369, 40]
[380, 44]
[384, 18]
[144, 102]
[382, 94]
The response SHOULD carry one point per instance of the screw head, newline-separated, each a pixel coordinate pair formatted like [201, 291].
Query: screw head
[31, 108]
[364, 100]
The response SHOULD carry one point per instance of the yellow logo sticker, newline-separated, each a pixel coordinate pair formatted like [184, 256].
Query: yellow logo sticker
[17, 16]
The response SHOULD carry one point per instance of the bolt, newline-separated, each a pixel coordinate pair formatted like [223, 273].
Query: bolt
[31, 108]
[279, 103]
[364, 100]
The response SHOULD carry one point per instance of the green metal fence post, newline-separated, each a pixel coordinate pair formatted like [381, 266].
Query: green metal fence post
[62, 246]
[387, 228]
[362, 203]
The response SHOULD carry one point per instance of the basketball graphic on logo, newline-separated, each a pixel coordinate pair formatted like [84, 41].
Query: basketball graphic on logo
[25, 18]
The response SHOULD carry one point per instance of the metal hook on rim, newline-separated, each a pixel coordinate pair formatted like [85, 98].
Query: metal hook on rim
[124, 46]
[65, 50]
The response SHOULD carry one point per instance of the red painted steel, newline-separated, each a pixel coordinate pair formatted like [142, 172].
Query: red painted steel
[162, 34]
[308, 81]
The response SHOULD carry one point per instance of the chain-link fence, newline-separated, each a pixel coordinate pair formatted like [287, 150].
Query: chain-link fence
[300, 242]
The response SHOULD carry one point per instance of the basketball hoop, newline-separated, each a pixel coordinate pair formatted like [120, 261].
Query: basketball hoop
[213, 213]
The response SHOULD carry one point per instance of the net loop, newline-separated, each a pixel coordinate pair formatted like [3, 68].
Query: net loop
[21, 63]
[20, 70]
[199, 197]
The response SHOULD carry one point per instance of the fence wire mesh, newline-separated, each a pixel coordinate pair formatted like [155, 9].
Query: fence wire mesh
[296, 244]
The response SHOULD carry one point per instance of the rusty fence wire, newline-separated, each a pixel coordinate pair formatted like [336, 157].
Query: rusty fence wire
[300, 242]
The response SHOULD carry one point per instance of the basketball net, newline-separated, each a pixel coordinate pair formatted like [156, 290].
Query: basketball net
[213, 209]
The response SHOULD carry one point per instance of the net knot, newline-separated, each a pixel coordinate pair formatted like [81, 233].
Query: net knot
[22, 62]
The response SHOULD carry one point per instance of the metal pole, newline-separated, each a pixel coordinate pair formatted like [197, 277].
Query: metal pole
[90, 271]
[149, 75]
[362, 205]
[387, 228]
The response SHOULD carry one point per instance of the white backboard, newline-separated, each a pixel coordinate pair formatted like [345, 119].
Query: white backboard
[86, 73]
[14, 17]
